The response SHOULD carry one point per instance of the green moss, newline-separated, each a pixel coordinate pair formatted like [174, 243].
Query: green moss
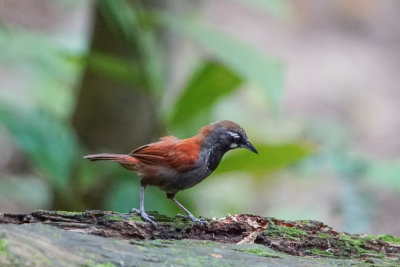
[93, 264]
[107, 264]
[160, 217]
[361, 251]
[390, 239]
[180, 262]
[123, 217]
[157, 243]
[41, 260]
[260, 252]
[177, 222]
[57, 235]
[141, 248]
[347, 245]
[181, 223]
[324, 235]
[344, 237]
[3, 247]
[68, 213]
[355, 244]
[208, 243]
[135, 218]
[305, 222]
[319, 252]
[114, 218]
[293, 233]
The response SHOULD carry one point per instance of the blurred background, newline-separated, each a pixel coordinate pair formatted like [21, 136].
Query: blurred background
[314, 83]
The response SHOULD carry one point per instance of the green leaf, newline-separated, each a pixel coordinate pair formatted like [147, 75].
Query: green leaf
[128, 22]
[49, 75]
[49, 143]
[270, 158]
[120, 18]
[277, 8]
[385, 173]
[248, 62]
[210, 82]
[112, 67]
[43, 55]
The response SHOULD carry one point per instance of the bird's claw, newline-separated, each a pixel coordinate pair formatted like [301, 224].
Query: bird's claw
[140, 213]
[145, 216]
[133, 210]
[182, 216]
[194, 219]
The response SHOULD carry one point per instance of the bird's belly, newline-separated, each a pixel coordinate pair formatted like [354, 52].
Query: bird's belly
[185, 180]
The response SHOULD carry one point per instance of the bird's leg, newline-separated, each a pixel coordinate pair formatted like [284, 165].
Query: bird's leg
[142, 212]
[189, 215]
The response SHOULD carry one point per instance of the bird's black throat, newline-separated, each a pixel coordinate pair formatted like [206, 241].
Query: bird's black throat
[214, 157]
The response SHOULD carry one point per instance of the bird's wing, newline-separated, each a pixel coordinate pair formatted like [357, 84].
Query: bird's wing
[170, 152]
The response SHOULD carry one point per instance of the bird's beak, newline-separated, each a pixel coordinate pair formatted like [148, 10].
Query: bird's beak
[249, 146]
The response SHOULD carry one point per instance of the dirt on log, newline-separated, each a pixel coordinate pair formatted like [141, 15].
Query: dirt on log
[102, 238]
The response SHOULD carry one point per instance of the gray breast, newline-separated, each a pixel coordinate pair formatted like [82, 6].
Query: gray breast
[190, 178]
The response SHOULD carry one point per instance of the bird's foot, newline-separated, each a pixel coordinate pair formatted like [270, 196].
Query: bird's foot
[190, 217]
[145, 216]
[140, 213]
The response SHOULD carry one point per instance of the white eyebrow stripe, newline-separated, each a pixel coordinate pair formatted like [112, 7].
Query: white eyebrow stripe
[234, 135]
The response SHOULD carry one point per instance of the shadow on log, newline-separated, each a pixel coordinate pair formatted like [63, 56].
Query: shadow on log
[58, 238]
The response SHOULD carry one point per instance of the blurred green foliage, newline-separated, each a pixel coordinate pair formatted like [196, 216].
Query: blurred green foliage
[112, 67]
[51, 146]
[126, 20]
[212, 80]
[272, 158]
[385, 173]
[52, 79]
[38, 117]
[248, 62]
[281, 9]
[42, 129]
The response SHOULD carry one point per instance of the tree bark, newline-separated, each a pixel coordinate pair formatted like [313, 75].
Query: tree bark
[110, 114]
[58, 238]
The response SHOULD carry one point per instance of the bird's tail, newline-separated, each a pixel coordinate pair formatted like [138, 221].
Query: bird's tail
[120, 158]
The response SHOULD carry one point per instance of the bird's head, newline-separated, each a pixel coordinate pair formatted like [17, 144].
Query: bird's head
[226, 135]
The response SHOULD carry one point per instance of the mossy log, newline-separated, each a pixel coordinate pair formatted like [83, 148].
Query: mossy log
[102, 238]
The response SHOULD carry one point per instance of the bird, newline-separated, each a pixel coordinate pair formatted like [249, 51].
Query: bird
[173, 164]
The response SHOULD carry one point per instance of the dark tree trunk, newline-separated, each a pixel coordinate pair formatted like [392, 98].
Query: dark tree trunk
[111, 115]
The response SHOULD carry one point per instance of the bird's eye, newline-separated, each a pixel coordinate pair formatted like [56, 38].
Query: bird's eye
[235, 137]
